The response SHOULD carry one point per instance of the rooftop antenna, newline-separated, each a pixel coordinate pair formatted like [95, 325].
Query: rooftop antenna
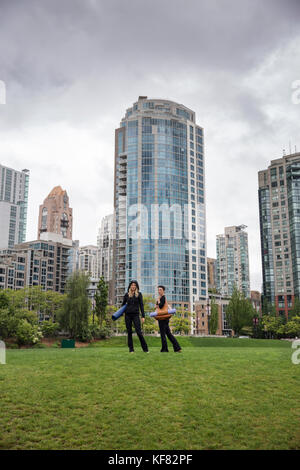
[290, 147]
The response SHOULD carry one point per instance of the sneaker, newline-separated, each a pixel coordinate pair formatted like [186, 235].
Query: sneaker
[179, 350]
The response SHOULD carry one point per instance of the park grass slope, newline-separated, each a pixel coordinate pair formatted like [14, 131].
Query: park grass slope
[217, 394]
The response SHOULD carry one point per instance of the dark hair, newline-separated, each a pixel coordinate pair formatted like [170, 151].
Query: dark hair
[163, 287]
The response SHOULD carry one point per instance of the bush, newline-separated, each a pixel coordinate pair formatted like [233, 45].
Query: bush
[100, 333]
[49, 328]
[85, 334]
[7, 324]
[27, 334]
[247, 331]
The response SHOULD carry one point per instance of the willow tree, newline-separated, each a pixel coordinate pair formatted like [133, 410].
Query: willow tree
[239, 312]
[76, 305]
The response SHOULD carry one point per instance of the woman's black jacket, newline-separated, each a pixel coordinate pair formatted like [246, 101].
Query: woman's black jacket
[134, 304]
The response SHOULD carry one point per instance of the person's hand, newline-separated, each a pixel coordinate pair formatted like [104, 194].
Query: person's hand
[143, 319]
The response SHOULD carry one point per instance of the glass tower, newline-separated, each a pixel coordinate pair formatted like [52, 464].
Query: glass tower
[160, 229]
[13, 206]
[232, 263]
[279, 210]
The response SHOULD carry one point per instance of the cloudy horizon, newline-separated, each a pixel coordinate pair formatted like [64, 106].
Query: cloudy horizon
[72, 68]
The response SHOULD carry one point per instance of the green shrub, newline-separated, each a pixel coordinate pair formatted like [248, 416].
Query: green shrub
[246, 331]
[27, 334]
[100, 333]
[49, 328]
[85, 334]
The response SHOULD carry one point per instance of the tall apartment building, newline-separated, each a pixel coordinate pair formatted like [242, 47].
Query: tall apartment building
[55, 214]
[279, 215]
[13, 206]
[159, 202]
[74, 257]
[105, 244]
[212, 273]
[233, 261]
[105, 241]
[89, 260]
[35, 263]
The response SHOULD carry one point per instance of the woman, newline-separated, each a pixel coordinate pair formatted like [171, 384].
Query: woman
[164, 324]
[134, 300]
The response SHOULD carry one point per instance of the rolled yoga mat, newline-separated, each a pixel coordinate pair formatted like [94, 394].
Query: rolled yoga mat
[119, 312]
[171, 310]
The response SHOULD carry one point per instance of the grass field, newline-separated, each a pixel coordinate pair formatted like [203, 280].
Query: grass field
[217, 394]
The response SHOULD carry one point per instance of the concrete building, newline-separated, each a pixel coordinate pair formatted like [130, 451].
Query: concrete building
[279, 209]
[13, 206]
[203, 312]
[74, 257]
[212, 273]
[89, 260]
[35, 263]
[159, 201]
[255, 298]
[55, 215]
[105, 242]
[233, 261]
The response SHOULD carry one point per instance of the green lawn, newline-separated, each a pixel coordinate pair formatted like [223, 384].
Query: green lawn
[217, 394]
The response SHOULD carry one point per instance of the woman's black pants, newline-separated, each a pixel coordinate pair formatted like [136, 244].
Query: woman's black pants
[165, 331]
[135, 319]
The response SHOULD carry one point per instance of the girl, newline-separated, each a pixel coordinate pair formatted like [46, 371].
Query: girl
[134, 300]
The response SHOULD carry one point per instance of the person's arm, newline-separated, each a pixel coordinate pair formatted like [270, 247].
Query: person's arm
[141, 305]
[162, 301]
[124, 299]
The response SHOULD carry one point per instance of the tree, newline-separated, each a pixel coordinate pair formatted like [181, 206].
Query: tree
[268, 308]
[214, 317]
[4, 299]
[295, 310]
[75, 310]
[180, 325]
[101, 300]
[239, 312]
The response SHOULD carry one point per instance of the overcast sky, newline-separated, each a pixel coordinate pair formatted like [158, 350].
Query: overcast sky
[72, 67]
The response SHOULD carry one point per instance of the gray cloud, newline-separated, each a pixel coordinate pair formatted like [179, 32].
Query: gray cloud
[72, 67]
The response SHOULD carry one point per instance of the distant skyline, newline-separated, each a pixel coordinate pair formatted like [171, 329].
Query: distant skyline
[72, 68]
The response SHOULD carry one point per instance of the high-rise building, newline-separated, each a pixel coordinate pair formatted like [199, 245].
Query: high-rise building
[105, 242]
[212, 273]
[89, 261]
[13, 206]
[233, 261]
[37, 263]
[159, 201]
[55, 215]
[74, 257]
[279, 214]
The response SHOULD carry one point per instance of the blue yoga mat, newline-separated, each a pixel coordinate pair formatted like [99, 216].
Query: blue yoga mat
[171, 310]
[119, 312]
